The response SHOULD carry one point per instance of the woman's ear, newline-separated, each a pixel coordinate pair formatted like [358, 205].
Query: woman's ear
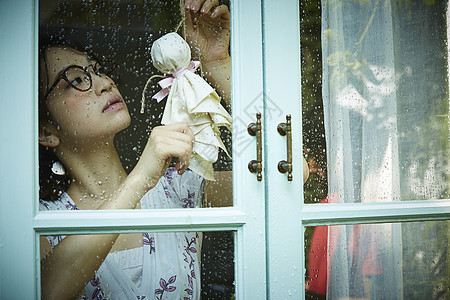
[47, 135]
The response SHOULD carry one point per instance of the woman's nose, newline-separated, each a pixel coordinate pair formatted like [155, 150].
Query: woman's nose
[102, 83]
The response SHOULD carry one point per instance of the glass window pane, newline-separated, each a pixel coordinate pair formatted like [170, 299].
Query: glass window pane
[92, 136]
[378, 261]
[383, 97]
[139, 265]
[314, 145]
[218, 265]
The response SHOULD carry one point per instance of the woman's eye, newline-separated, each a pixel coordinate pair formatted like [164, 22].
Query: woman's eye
[77, 81]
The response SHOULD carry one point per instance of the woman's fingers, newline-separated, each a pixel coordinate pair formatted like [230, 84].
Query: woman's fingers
[181, 127]
[172, 146]
[189, 21]
[208, 5]
[174, 140]
[166, 135]
[207, 29]
[220, 11]
[164, 144]
[201, 6]
[208, 8]
[175, 148]
[181, 166]
[197, 6]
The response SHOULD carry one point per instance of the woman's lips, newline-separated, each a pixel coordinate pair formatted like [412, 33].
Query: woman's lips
[114, 103]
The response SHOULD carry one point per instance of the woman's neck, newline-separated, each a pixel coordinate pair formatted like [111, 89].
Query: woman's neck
[95, 171]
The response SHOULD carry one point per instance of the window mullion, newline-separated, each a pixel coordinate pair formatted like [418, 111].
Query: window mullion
[284, 198]
[17, 169]
[132, 220]
[356, 213]
[247, 97]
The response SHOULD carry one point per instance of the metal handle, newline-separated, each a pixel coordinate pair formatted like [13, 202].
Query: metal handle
[284, 129]
[255, 166]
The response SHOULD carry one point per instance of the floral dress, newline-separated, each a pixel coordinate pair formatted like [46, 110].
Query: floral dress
[167, 266]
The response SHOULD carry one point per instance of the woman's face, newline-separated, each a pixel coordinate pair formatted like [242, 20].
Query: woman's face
[97, 113]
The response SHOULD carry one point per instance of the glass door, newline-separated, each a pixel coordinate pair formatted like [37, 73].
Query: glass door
[284, 154]
[386, 162]
[306, 73]
[240, 224]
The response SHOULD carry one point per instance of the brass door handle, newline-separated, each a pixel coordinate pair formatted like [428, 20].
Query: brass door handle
[254, 129]
[284, 129]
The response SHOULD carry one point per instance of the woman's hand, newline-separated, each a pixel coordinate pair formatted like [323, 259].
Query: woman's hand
[208, 34]
[207, 30]
[164, 143]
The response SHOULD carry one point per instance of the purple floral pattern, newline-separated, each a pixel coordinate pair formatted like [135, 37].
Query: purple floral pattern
[189, 201]
[167, 193]
[189, 253]
[165, 286]
[97, 293]
[170, 172]
[182, 282]
[150, 241]
[45, 204]
[71, 206]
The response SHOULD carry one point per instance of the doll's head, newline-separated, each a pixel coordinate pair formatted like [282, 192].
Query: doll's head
[170, 53]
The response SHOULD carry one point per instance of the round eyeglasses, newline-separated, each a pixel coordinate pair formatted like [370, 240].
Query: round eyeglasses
[79, 77]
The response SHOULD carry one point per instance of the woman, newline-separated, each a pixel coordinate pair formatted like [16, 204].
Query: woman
[82, 111]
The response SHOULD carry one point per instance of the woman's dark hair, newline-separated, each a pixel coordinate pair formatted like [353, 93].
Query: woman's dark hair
[51, 185]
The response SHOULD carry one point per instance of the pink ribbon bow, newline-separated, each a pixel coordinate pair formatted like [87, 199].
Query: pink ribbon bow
[166, 83]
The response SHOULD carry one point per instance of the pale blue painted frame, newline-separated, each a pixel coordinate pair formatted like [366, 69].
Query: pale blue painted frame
[286, 214]
[19, 180]
[285, 245]
[18, 151]
[277, 274]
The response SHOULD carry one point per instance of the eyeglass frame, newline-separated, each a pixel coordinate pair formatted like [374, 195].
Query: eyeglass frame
[62, 75]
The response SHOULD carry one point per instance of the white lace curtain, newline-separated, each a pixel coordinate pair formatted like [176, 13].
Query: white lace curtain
[385, 94]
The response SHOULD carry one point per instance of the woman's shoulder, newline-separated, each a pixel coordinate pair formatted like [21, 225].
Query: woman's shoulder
[64, 202]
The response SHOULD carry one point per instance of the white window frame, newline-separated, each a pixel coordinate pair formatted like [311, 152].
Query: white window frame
[281, 31]
[269, 217]
[20, 261]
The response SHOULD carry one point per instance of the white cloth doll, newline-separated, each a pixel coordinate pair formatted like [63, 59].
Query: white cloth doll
[190, 99]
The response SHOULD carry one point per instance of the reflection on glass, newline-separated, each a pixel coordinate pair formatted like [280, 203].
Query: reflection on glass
[385, 99]
[315, 188]
[218, 265]
[173, 265]
[95, 146]
[378, 261]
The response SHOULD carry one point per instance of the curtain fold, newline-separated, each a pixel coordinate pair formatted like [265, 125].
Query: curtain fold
[385, 86]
